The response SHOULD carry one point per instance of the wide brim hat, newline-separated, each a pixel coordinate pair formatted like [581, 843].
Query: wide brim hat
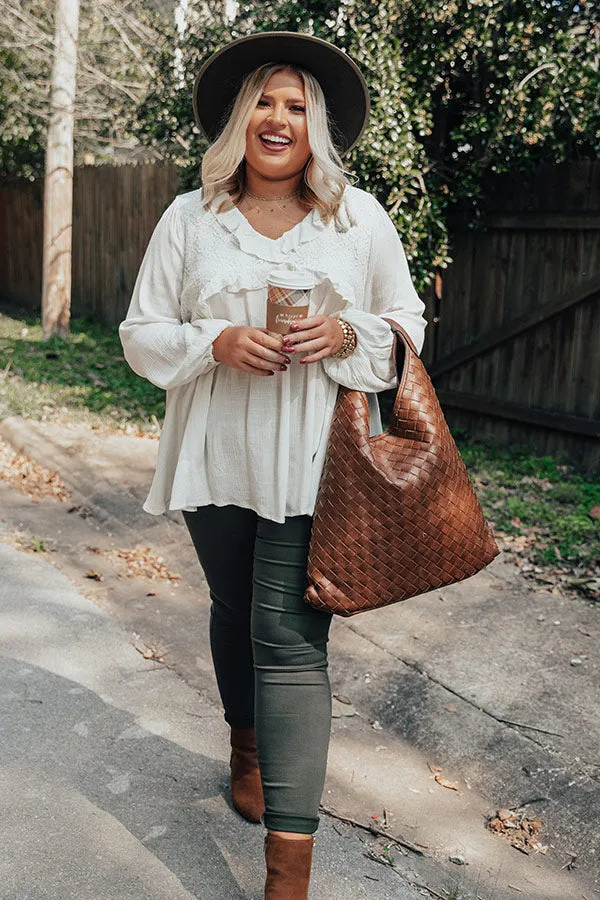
[220, 78]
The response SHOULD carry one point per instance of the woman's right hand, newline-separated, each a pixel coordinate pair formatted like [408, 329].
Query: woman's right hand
[251, 350]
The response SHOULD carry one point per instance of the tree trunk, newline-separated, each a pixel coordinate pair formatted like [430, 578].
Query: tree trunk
[58, 184]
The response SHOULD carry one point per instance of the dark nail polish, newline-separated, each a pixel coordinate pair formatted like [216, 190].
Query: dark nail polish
[283, 368]
[287, 362]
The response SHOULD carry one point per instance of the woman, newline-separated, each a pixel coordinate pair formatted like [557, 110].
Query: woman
[248, 414]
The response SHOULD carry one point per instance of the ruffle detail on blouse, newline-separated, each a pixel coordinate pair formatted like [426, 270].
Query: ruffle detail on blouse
[339, 291]
[222, 284]
[335, 295]
[271, 249]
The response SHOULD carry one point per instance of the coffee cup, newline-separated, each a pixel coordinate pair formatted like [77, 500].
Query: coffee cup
[288, 299]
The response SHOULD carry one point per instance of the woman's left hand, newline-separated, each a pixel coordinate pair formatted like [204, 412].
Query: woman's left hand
[319, 336]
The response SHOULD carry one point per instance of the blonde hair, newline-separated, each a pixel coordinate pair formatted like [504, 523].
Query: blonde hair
[324, 180]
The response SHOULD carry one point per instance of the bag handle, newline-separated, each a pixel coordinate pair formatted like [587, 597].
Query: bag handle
[398, 329]
[400, 337]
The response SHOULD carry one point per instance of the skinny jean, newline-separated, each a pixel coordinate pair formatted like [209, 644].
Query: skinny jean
[269, 650]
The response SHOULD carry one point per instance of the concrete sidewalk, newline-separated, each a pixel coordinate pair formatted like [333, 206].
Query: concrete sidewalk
[113, 782]
[473, 683]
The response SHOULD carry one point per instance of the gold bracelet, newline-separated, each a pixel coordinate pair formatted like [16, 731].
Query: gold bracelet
[349, 343]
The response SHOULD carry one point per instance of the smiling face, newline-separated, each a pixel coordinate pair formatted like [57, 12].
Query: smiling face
[277, 145]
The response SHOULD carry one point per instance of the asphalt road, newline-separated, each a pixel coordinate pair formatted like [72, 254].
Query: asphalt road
[113, 772]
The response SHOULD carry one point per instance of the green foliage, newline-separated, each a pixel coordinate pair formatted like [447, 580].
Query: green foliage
[85, 374]
[390, 162]
[461, 90]
[22, 135]
[539, 498]
[115, 65]
[507, 84]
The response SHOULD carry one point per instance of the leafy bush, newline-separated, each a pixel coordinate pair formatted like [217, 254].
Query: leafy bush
[462, 90]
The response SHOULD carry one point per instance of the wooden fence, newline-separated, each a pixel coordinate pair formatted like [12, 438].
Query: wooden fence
[513, 344]
[515, 355]
[115, 209]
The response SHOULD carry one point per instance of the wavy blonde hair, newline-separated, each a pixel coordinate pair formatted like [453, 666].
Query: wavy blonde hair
[324, 180]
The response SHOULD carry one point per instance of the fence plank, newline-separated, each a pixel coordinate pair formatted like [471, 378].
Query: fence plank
[515, 328]
[529, 415]
[115, 209]
[537, 222]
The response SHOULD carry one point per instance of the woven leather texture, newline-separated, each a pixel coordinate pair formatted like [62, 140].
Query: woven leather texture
[396, 514]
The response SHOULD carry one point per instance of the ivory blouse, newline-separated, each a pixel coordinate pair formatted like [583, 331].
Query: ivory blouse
[229, 437]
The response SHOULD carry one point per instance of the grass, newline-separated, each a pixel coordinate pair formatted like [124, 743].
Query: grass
[85, 377]
[540, 498]
[539, 504]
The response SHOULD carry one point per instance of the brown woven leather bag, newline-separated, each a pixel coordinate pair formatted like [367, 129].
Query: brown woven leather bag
[396, 514]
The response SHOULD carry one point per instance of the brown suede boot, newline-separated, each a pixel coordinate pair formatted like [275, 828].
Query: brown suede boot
[246, 787]
[288, 867]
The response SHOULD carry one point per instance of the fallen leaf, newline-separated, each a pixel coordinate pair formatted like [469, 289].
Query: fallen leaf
[594, 512]
[29, 477]
[94, 576]
[142, 562]
[523, 832]
[588, 633]
[433, 768]
[341, 708]
[152, 653]
[445, 783]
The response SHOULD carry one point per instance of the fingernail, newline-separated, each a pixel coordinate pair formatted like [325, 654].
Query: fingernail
[283, 368]
[289, 349]
[288, 362]
[294, 327]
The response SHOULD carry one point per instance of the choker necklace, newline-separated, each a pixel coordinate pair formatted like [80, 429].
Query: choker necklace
[278, 204]
[270, 199]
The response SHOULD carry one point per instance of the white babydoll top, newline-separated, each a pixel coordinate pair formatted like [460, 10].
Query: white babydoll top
[233, 438]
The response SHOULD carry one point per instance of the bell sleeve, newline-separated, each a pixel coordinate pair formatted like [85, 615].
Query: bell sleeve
[156, 343]
[390, 294]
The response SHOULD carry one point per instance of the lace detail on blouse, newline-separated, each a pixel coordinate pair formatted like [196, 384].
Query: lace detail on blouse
[224, 252]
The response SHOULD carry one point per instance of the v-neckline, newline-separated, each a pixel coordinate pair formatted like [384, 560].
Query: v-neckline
[256, 244]
[266, 237]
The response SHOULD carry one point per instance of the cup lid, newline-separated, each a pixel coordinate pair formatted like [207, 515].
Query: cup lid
[294, 279]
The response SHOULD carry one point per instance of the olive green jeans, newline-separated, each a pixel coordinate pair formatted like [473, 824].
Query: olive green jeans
[269, 650]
